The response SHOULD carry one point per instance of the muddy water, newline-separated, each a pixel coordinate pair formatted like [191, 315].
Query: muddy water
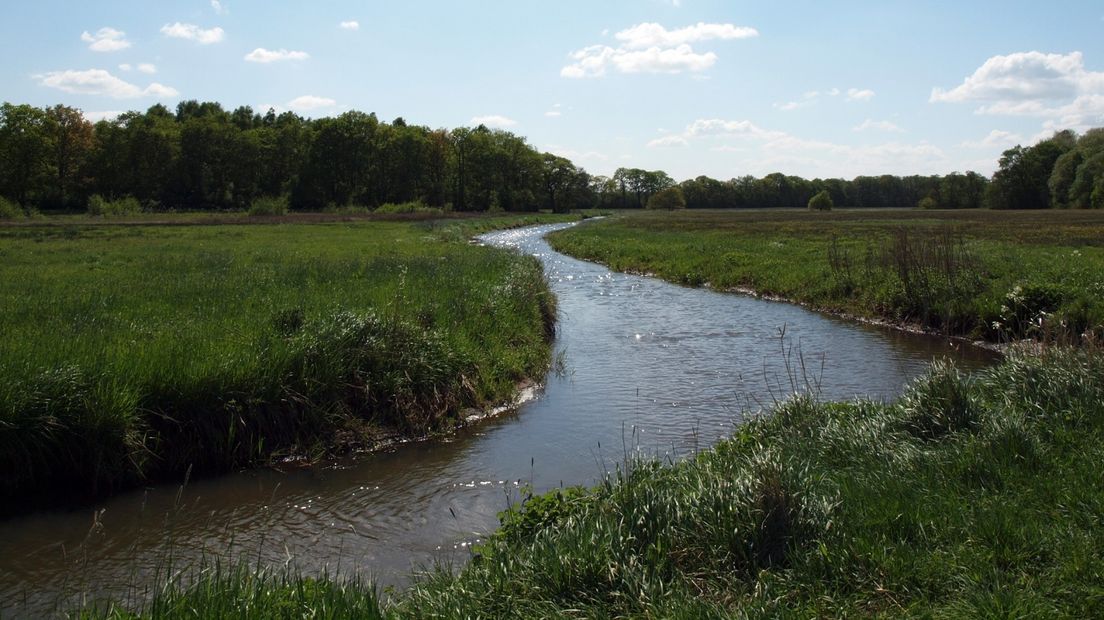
[646, 366]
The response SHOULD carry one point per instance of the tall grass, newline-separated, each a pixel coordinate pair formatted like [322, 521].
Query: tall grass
[138, 354]
[240, 592]
[986, 275]
[968, 497]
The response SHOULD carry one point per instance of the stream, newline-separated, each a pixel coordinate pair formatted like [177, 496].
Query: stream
[644, 367]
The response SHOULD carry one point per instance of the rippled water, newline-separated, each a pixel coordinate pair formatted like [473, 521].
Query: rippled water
[647, 366]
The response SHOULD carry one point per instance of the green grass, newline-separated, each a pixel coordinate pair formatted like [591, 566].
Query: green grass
[968, 497]
[140, 353]
[984, 274]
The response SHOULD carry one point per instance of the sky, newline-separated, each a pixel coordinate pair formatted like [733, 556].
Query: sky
[721, 88]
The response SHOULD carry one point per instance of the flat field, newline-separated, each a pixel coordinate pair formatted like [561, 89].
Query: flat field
[993, 275]
[139, 352]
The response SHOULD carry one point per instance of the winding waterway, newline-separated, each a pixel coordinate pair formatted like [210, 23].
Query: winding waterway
[646, 366]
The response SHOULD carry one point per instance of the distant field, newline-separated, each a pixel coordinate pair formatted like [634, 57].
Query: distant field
[986, 274]
[132, 353]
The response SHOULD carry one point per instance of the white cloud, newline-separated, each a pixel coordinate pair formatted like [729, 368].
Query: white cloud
[192, 32]
[855, 94]
[594, 60]
[870, 123]
[647, 35]
[553, 114]
[1055, 87]
[996, 139]
[307, 103]
[125, 67]
[106, 40]
[101, 82]
[651, 48]
[349, 25]
[262, 55]
[1024, 76]
[219, 8]
[494, 121]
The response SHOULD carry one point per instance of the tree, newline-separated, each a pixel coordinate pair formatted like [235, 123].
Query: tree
[73, 139]
[26, 152]
[1023, 179]
[669, 198]
[821, 202]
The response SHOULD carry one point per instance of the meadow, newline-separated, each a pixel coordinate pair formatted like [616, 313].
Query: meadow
[133, 352]
[987, 275]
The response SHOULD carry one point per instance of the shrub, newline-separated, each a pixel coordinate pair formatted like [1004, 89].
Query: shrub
[101, 207]
[821, 202]
[10, 210]
[415, 206]
[269, 205]
[670, 199]
[927, 202]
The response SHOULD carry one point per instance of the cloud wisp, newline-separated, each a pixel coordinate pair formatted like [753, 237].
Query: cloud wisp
[812, 97]
[770, 150]
[310, 103]
[264, 56]
[494, 121]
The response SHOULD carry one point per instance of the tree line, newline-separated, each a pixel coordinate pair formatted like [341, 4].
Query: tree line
[203, 157]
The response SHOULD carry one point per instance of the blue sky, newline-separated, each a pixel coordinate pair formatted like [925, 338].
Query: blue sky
[688, 86]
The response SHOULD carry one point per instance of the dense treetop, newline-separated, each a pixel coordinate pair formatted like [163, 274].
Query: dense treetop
[203, 157]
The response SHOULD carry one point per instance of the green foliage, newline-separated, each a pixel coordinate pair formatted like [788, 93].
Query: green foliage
[1022, 180]
[98, 206]
[670, 198]
[134, 354]
[269, 205]
[821, 202]
[927, 202]
[10, 210]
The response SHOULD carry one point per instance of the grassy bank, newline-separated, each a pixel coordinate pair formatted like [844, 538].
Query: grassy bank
[139, 353]
[983, 274]
[968, 497]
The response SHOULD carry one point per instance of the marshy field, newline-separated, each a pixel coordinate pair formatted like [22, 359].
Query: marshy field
[147, 352]
[988, 275]
[138, 353]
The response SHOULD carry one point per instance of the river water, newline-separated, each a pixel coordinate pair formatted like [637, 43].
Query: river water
[646, 366]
